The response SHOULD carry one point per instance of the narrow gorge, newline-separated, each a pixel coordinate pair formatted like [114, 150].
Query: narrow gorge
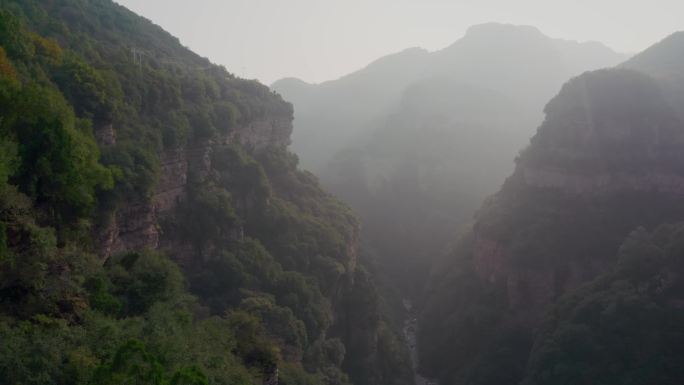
[505, 210]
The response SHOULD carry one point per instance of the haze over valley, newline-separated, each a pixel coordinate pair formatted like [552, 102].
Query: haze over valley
[505, 207]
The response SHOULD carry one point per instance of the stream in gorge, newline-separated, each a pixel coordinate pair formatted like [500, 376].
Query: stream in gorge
[410, 330]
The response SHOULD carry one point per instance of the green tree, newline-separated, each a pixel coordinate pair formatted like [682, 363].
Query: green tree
[132, 365]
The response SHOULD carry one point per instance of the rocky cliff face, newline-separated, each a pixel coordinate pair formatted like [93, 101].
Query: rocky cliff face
[136, 226]
[609, 136]
[529, 289]
[607, 159]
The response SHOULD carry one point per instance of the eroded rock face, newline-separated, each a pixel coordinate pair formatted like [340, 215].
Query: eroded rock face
[578, 200]
[490, 258]
[173, 177]
[265, 132]
[105, 135]
[528, 288]
[136, 225]
[525, 287]
[133, 227]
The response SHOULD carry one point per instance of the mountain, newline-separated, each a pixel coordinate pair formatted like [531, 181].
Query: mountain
[517, 61]
[415, 141]
[661, 62]
[605, 161]
[332, 113]
[661, 59]
[154, 227]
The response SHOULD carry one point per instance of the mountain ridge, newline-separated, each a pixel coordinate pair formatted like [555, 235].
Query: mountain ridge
[333, 114]
[472, 30]
[604, 162]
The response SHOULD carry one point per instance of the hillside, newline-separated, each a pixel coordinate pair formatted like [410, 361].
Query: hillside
[154, 228]
[605, 161]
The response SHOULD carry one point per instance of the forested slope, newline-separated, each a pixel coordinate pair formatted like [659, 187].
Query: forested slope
[154, 227]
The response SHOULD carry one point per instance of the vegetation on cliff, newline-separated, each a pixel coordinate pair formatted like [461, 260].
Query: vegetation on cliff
[623, 328]
[255, 276]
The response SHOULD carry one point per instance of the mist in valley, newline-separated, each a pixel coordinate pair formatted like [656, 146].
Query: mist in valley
[341, 193]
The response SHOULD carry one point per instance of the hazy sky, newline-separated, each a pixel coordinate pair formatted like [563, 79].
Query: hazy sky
[318, 40]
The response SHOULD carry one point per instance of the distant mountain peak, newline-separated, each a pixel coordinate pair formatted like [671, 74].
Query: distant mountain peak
[410, 56]
[290, 82]
[494, 28]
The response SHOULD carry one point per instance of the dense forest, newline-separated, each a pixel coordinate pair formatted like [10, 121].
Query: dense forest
[153, 226]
